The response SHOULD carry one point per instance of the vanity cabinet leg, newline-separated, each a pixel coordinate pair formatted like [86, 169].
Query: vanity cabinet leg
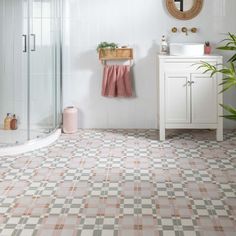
[162, 134]
[219, 134]
[220, 129]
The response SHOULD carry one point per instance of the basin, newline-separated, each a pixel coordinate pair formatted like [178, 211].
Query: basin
[186, 49]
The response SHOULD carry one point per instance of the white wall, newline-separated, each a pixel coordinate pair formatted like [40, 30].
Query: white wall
[140, 24]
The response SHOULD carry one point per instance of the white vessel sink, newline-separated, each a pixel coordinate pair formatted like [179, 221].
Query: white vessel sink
[186, 49]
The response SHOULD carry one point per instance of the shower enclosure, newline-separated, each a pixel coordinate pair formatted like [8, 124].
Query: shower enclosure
[30, 68]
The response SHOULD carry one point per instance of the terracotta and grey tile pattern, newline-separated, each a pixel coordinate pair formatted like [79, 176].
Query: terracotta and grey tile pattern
[122, 183]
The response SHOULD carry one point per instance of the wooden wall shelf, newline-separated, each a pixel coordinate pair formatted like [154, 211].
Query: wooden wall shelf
[116, 54]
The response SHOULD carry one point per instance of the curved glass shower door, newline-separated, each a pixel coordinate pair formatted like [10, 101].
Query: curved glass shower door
[30, 74]
[44, 61]
[13, 69]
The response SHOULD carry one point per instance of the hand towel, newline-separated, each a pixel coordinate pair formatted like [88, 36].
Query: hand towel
[116, 81]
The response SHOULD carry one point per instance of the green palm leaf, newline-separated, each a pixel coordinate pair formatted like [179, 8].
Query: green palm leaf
[231, 110]
[228, 71]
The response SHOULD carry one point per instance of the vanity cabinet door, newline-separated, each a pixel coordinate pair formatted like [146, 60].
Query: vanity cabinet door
[177, 98]
[204, 99]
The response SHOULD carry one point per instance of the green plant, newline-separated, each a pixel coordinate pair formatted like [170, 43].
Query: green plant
[104, 45]
[228, 71]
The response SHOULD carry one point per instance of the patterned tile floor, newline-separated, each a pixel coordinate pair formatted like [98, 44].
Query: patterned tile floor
[124, 183]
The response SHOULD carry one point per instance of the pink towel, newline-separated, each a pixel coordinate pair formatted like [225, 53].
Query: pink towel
[116, 81]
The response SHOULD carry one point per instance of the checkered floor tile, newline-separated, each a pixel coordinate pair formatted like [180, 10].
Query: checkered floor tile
[122, 183]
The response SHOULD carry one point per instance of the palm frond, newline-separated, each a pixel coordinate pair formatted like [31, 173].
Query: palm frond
[228, 71]
[231, 110]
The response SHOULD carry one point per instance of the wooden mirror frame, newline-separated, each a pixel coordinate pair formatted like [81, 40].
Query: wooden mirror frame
[187, 15]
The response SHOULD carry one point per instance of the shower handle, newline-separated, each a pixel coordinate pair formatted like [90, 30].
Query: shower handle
[34, 43]
[25, 42]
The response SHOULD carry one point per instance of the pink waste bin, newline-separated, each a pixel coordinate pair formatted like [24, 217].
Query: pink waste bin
[70, 120]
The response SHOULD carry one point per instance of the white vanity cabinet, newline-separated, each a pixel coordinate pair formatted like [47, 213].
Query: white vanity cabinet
[189, 99]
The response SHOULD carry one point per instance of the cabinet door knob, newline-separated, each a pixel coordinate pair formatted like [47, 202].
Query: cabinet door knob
[190, 82]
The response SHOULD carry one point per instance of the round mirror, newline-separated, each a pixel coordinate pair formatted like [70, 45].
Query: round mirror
[184, 9]
[184, 5]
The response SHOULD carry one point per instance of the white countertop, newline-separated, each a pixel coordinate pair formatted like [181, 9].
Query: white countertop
[192, 57]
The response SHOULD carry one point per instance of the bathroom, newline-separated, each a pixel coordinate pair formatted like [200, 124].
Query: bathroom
[117, 174]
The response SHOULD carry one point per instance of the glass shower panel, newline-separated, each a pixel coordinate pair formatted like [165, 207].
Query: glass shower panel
[58, 64]
[42, 68]
[13, 68]
[56, 22]
[30, 68]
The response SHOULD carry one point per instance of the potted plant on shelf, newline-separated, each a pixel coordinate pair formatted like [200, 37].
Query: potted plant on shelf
[101, 48]
[228, 70]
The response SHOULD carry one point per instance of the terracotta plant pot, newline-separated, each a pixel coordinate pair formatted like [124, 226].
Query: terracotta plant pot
[207, 50]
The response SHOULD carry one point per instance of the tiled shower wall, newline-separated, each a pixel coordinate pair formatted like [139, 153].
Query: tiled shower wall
[139, 24]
